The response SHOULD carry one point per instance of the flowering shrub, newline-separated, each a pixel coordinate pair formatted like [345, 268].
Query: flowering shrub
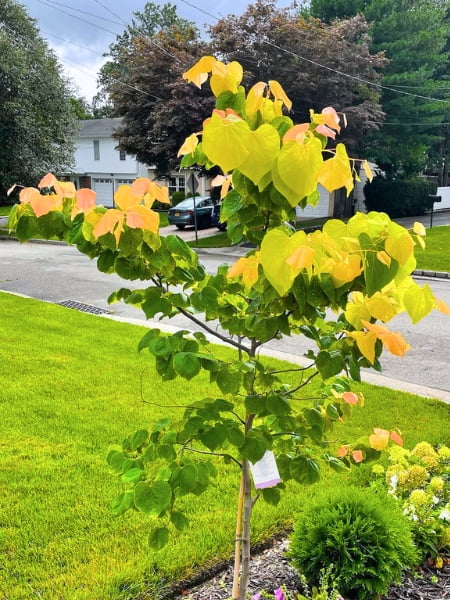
[420, 480]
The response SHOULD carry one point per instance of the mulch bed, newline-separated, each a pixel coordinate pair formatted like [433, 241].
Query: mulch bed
[270, 568]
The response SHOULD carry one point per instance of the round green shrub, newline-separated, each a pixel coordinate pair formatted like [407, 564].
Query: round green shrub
[362, 538]
[398, 197]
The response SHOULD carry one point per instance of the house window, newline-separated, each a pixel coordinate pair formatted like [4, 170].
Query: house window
[122, 155]
[177, 184]
[96, 149]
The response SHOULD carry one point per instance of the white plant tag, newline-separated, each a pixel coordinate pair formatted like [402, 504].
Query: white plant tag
[265, 472]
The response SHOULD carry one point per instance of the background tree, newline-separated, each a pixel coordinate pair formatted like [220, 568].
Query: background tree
[37, 119]
[265, 37]
[142, 83]
[413, 36]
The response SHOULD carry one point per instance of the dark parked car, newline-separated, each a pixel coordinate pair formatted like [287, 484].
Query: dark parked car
[215, 221]
[182, 215]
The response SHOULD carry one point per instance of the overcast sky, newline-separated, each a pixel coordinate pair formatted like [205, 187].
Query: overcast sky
[80, 31]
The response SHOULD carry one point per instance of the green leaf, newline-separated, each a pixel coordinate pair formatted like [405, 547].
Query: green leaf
[138, 439]
[278, 405]
[255, 404]
[254, 447]
[231, 205]
[178, 247]
[144, 341]
[158, 538]
[51, 224]
[214, 437]
[122, 503]
[132, 475]
[235, 434]
[26, 228]
[228, 380]
[329, 364]
[180, 521]
[130, 240]
[152, 499]
[105, 262]
[271, 495]
[187, 478]
[186, 364]
[304, 470]
[160, 347]
[337, 465]
[166, 452]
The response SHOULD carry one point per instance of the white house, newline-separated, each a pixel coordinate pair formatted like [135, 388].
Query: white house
[99, 164]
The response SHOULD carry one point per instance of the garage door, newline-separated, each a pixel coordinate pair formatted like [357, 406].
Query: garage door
[104, 189]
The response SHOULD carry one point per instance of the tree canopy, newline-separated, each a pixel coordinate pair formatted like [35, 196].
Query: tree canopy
[144, 85]
[37, 120]
[413, 34]
[322, 64]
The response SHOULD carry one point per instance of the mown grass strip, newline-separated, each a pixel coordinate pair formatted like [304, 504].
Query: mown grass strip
[72, 384]
[436, 256]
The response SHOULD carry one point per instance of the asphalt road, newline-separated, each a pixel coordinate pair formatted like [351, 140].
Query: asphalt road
[57, 273]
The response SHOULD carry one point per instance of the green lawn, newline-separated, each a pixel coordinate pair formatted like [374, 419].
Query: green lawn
[4, 211]
[70, 387]
[436, 256]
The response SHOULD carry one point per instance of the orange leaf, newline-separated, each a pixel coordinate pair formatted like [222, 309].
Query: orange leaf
[396, 438]
[331, 118]
[342, 451]
[326, 131]
[27, 194]
[48, 180]
[140, 186]
[358, 456]
[85, 198]
[110, 222]
[394, 342]
[350, 398]
[296, 133]
[142, 217]
[442, 307]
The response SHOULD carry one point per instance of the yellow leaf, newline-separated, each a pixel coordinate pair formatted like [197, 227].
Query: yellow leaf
[356, 310]
[124, 197]
[276, 248]
[189, 146]
[142, 217]
[279, 94]
[384, 258]
[400, 246]
[367, 170]
[67, 189]
[296, 169]
[141, 186]
[302, 258]
[263, 146]
[379, 439]
[255, 99]
[226, 78]
[336, 172]
[419, 229]
[380, 307]
[366, 343]
[223, 142]
[198, 74]
[346, 270]
[418, 301]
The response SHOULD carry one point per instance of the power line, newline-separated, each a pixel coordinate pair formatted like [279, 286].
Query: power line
[354, 77]
[75, 17]
[83, 12]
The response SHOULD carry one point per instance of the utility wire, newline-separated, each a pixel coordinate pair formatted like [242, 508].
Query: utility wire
[83, 12]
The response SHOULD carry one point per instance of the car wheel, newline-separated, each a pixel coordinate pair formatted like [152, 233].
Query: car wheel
[180, 226]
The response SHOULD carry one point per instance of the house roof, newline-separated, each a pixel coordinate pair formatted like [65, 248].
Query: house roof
[98, 127]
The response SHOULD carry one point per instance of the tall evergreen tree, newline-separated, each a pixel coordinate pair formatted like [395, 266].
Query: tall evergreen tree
[413, 35]
[37, 118]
